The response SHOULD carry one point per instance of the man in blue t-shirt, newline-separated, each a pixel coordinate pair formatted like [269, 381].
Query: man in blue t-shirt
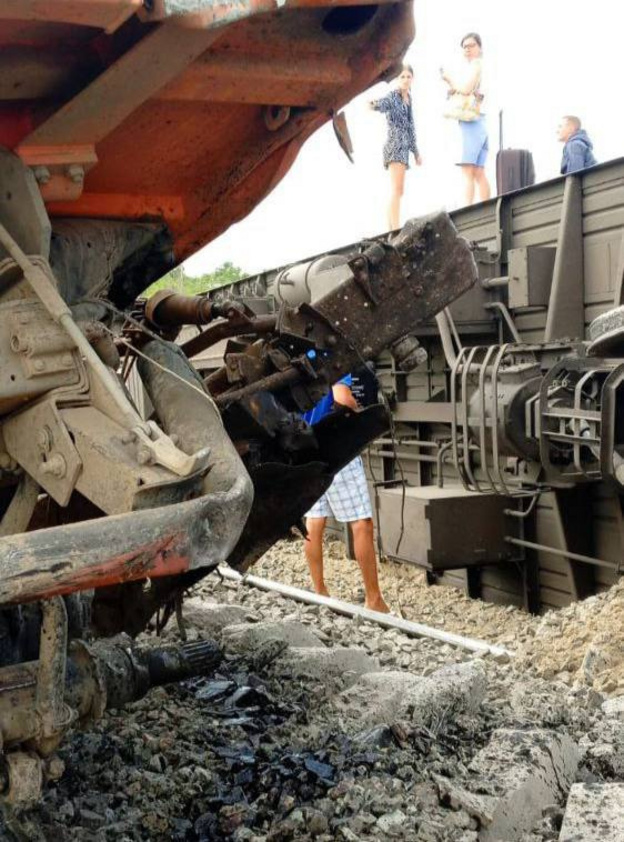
[348, 500]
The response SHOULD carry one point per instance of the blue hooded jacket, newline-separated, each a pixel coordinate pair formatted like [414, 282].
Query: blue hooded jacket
[577, 153]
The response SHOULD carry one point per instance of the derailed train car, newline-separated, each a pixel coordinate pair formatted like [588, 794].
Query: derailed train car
[503, 475]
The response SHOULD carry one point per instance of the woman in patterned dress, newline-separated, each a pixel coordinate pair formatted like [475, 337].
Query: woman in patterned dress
[401, 140]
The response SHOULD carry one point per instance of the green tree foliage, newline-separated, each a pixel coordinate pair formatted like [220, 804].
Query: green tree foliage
[179, 281]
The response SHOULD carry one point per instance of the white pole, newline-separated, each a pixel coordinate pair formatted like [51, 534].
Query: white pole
[388, 621]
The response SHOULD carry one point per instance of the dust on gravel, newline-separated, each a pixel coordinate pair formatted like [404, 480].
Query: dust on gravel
[244, 755]
[581, 645]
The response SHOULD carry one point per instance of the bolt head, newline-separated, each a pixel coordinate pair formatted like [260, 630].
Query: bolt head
[42, 174]
[75, 173]
[144, 457]
[55, 466]
[44, 439]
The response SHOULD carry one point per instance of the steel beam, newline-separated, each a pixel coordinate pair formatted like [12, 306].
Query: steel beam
[565, 318]
[103, 14]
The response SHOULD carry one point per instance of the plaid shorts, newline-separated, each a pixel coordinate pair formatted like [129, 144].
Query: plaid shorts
[347, 498]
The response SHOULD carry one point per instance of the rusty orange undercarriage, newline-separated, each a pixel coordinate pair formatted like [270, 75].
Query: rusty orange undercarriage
[185, 112]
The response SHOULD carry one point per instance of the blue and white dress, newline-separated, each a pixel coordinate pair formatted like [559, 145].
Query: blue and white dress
[401, 138]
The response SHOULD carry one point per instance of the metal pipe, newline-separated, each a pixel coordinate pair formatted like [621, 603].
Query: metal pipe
[226, 329]
[586, 559]
[49, 704]
[526, 512]
[496, 467]
[440, 460]
[388, 621]
[502, 309]
[482, 415]
[446, 339]
[279, 380]
[167, 308]
[412, 457]
[408, 442]
[454, 434]
[452, 325]
[466, 426]
[494, 283]
[99, 676]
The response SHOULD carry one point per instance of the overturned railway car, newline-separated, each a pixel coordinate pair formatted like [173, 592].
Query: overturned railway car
[503, 471]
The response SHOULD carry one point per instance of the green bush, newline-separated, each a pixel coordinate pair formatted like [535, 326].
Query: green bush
[181, 282]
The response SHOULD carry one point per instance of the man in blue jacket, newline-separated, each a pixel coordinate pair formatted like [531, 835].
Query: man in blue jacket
[348, 500]
[578, 149]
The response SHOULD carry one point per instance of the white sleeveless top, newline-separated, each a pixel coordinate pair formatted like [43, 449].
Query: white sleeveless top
[466, 73]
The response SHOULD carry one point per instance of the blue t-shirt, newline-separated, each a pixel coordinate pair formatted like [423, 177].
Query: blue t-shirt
[325, 405]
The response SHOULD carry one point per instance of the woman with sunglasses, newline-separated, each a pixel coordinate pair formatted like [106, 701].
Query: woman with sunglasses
[474, 136]
[401, 139]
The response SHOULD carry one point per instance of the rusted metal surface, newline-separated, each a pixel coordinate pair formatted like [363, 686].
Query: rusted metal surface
[223, 330]
[389, 290]
[101, 675]
[150, 542]
[24, 777]
[20, 510]
[272, 382]
[120, 134]
[97, 553]
[118, 180]
[105, 14]
[38, 700]
[49, 705]
[170, 309]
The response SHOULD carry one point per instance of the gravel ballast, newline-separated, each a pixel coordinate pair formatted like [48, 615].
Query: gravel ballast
[580, 644]
[320, 727]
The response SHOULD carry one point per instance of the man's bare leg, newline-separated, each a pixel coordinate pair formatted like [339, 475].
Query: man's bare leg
[364, 548]
[313, 548]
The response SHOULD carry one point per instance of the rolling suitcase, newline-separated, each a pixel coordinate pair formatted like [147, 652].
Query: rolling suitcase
[514, 170]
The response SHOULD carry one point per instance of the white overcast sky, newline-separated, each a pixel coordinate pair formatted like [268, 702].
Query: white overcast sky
[542, 59]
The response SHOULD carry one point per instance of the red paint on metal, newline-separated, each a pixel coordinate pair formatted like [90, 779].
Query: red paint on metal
[166, 557]
[179, 132]
[121, 206]
[16, 121]
[108, 14]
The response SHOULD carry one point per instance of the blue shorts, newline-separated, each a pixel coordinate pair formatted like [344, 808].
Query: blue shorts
[474, 142]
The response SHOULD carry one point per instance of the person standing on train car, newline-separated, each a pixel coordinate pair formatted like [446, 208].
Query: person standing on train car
[347, 499]
[578, 150]
[465, 104]
[401, 139]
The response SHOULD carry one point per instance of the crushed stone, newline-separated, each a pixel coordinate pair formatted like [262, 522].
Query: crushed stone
[258, 753]
[581, 645]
